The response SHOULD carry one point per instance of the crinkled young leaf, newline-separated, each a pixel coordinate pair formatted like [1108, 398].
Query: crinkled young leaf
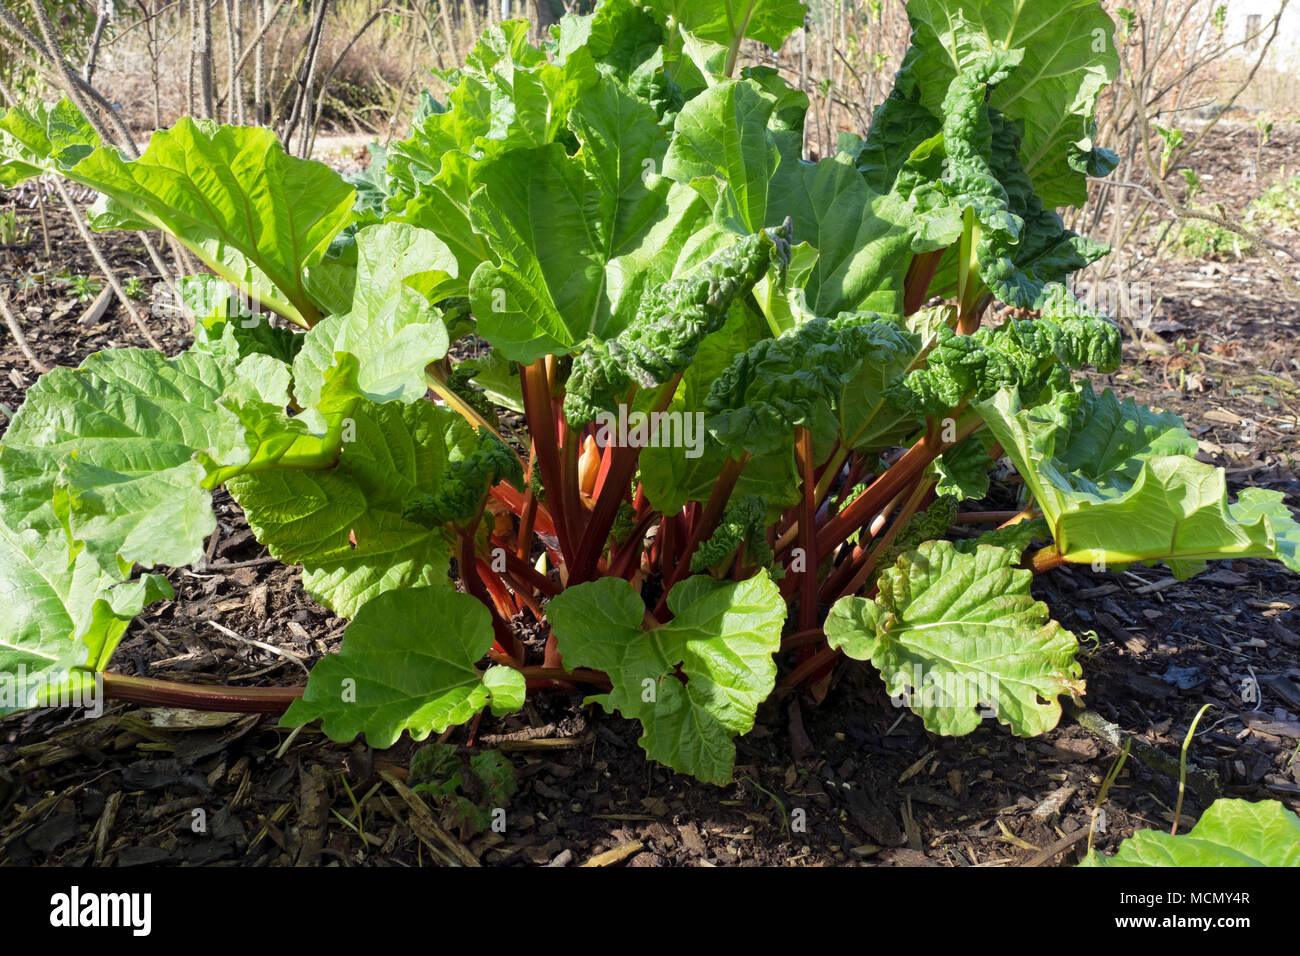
[870, 421]
[392, 329]
[1229, 833]
[962, 631]
[407, 663]
[797, 379]
[62, 615]
[819, 373]
[671, 321]
[965, 139]
[674, 475]
[898, 126]
[459, 495]
[1021, 270]
[349, 525]
[743, 523]
[963, 471]
[923, 526]
[723, 636]
[1117, 483]
[1028, 356]
[969, 181]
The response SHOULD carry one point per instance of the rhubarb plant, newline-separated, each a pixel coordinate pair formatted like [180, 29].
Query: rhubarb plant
[757, 389]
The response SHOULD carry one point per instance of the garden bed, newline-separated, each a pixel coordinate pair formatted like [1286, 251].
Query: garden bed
[875, 787]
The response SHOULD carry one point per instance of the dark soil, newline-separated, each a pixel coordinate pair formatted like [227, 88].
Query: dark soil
[851, 780]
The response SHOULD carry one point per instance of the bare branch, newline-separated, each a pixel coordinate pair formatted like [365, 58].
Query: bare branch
[17, 332]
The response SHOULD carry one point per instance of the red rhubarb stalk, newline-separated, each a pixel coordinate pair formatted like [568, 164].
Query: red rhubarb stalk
[807, 530]
[214, 697]
[704, 525]
[537, 408]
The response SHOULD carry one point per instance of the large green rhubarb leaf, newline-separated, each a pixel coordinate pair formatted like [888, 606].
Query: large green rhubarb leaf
[957, 636]
[255, 215]
[408, 662]
[728, 21]
[624, 40]
[721, 640]
[137, 441]
[1117, 483]
[570, 230]
[722, 147]
[507, 97]
[392, 329]
[1229, 833]
[1069, 57]
[861, 237]
[729, 146]
[354, 527]
[48, 138]
[61, 617]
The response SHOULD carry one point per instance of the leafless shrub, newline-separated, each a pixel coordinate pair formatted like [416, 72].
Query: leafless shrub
[1181, 70]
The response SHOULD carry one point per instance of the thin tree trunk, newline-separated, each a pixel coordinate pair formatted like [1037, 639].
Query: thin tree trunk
[205, 59]
[259, 65]
[191, 97]
[16, 330]
[232, 51]
[329, 75]
[302, 106]
[103, 15]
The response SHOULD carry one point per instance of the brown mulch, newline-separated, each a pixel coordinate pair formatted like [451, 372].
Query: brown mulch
[852, 780]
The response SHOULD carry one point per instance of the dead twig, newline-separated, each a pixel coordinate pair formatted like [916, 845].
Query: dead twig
[425, 826]
[616, 855]
[93, 245]
[1205, 783]
[17, 332]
